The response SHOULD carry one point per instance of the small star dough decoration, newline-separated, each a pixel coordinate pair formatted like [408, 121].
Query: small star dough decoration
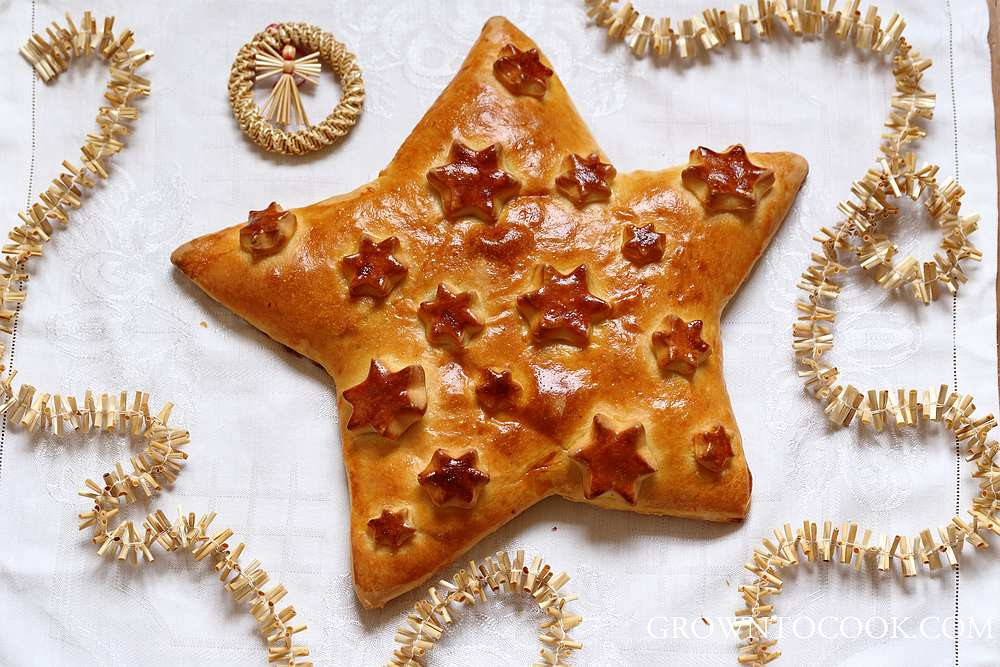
[449, 319]
[678, 345]
[387, 402]
[374, 270]
[507, 318]
[522, 72]
[453, 480]
[389, 529]
[586, 179]
[726, 181]
[472, 183]
[613, 460]
[267, 231]
[643, 245]
[713, 448]
[562, 308]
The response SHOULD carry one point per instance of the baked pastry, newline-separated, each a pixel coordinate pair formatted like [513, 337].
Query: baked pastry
[506, 318]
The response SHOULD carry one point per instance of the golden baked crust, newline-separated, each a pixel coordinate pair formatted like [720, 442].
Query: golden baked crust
[541, 381]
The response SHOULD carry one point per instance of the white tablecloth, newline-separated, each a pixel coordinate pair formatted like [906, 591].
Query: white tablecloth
[107, 311]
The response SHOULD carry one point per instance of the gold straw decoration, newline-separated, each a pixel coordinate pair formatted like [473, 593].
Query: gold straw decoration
[284, 100]
[264, 57]
[894, 175]
[426, 623]
[124, 413]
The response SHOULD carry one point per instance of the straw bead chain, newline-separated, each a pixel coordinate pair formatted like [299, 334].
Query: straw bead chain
[855, 236]
[426, 623]
[123, 413]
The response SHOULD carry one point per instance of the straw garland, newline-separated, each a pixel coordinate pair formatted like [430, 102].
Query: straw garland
[426, 623]
[161, 460]
[305, 38]
[895, 175]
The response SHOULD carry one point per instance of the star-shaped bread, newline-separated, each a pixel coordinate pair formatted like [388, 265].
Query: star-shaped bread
[483, 301]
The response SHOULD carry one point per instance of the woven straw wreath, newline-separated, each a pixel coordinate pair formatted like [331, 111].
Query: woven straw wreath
[306, 38]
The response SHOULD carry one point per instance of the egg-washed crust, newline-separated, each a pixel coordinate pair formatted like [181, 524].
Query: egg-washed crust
[529, 448]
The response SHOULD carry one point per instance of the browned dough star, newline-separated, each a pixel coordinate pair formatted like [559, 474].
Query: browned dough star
[389, 529]
[453, 480]
[522, 72]
[726, 181]
[562, 308]
[678, 345]
[643, 245]
[387, 403]
[374, 270]
[614, 461]
[498, 391]
[713, 448]
[267, 231]
[448, 318]
[471, 201]
[472, 182]
[586, 179]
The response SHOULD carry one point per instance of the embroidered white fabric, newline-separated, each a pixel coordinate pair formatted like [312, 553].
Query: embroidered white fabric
[107, 311]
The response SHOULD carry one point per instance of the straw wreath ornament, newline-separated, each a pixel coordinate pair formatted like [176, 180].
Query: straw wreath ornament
[274, 53]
